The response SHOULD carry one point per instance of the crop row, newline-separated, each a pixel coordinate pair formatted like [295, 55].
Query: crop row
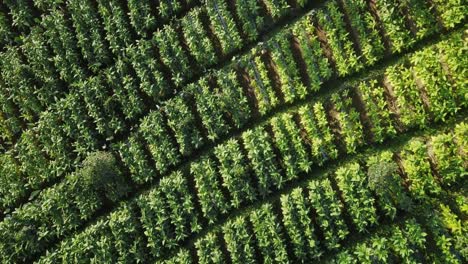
[21, 17]
[300, 225]
[237, 171]
[409, 242]
[84, 39]
[97, 108]
[94, 108]
[142, 61]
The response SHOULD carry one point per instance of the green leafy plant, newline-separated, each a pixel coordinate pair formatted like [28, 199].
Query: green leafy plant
[386, 183]
[100, 172]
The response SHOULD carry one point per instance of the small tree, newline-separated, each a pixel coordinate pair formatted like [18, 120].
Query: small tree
[384, 180]
[100, 172]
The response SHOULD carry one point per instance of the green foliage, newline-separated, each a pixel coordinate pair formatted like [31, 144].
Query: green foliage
[239, 241]
[90, 36]
[141, 16]
[417, 167]
[251, 20]
[452, 12]
[208, 249]
[289, 142]
[449, 161]
[329, 212]
[299, 226]
[223, 24]
[160, 145]
[167, 9]
[366, 27]
[269, 235]
[277, 8]
[210, 109]
[317, 65]
[440, 92]
[261, 84]
[129, 242]
[133, 156]
[408, 101]
[143, 58]
[210, 195]
[172, 54]
[392, 18]
[116, 24]
[288, 72]
[377, 110]
[313, 119]
[387, 184]
[235, 172]
[182, 121]
[359, 202]
[197, 38]
[168, 215]
[232, 99]
[263, 159]
[351, 128]
[101, 173]
[80, 76]
[331, 20]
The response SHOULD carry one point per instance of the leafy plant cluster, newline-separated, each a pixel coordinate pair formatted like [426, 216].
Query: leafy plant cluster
[291, 84]
[58, 211]
[142, 58]
[266, 226]
[332, 22]
[373, 97]
[351, 129]
[168, 214]
[244, 175]
[366, 28]
[71, 127]
[399, 242]
[317, 65]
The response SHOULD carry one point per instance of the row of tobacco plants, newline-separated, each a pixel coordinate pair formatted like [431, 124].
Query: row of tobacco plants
[402, 196]
[261, 160]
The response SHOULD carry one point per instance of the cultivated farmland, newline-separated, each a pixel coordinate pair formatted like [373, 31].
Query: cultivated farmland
[233, 131]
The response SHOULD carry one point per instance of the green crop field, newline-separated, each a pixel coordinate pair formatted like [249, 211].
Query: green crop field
[233, 131]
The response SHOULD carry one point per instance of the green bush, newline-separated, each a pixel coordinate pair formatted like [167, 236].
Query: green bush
[101, 173]
[384, 180]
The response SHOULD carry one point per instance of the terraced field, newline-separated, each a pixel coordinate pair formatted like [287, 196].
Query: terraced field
[233, 131]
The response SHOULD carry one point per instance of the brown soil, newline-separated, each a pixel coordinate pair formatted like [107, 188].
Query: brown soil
[381, 29]
[401, 170]
[300, 63]
[423, 94]
[332, 118]
[433, 161]
[273, 76]
[244, 80]
[322, 37]
[358, 103]
[354, 35]
[211, 35]
[392, 105]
